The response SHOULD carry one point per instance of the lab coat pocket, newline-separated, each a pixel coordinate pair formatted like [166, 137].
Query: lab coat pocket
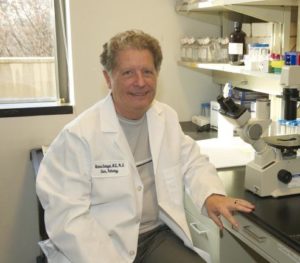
[110, 180]
[174, 184]
[52, 253]
[110, 168]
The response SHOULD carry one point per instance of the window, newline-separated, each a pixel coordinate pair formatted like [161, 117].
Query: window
[33, 57]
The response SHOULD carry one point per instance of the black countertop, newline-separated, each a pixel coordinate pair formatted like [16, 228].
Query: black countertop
[192, 130]
[278, 216]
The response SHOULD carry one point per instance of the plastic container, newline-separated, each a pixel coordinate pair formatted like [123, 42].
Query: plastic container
[276, 66]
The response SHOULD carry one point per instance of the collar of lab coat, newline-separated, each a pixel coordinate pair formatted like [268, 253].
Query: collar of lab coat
[156, 128]
[108, 116]
[155, 120]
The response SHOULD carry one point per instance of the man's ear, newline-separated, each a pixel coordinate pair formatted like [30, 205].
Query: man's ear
[107, 78]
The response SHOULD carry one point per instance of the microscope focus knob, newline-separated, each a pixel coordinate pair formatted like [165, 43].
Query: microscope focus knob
[284, 176]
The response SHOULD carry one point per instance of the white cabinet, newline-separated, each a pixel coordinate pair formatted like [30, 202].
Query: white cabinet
[205, 233]
[222, 246]
[262, 242]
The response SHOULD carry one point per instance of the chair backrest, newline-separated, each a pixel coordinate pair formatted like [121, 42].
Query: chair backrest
[36, 156]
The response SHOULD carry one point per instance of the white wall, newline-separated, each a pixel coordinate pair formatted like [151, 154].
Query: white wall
[100, 20]
[18, 204]
[92, 22]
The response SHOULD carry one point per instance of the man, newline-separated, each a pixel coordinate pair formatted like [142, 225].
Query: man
[112, 183]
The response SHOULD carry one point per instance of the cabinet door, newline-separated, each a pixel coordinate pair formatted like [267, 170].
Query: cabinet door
[205, 234]
[259, 242]
[222, 246]
[232, 250]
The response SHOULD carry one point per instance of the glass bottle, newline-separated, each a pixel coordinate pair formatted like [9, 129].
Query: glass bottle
[237, 45]
[223, 56]
[202, 50]
[183, 47]
[195, 51]
[206, 50]
[189, 49]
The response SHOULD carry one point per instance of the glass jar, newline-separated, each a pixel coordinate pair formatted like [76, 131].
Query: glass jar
[223, 54]
[189, 49]
[183, 48]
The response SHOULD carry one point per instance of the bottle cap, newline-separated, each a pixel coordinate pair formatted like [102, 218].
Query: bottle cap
[237, 24]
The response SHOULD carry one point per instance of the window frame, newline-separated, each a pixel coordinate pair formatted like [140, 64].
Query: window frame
[65, 105]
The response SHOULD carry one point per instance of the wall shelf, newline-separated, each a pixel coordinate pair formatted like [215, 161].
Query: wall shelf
[228, 68]
[239, 76]
[241, 6]
[218, 12]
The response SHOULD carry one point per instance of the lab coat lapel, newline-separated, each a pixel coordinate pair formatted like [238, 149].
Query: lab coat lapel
[156, 128]
[170, 214]
[110, 124]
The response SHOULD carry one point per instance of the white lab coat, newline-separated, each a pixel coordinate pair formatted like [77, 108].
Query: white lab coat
[92, 194]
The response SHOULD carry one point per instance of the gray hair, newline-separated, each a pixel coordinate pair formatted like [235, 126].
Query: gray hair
[134, 39]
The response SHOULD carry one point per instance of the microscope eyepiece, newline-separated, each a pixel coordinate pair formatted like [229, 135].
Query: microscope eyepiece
[227, 104]
[220, 100]
[229, 108]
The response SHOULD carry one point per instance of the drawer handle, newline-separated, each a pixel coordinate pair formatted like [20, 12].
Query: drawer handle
[254, 235]
[195, 226]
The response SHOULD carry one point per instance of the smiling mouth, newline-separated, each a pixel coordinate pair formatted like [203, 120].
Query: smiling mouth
[139, 94]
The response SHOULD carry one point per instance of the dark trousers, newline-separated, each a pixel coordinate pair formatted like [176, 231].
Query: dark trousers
[161, 245]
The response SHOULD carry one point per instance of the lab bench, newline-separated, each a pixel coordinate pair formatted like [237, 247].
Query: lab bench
[191, 129]
[271, 233]
[273, 228]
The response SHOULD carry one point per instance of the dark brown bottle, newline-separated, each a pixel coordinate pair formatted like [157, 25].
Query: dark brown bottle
[237, 45]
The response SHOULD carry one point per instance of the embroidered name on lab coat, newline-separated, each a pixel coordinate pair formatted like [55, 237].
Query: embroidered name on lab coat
[110, 168]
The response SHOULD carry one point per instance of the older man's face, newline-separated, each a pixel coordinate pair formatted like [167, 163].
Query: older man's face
[133, 82]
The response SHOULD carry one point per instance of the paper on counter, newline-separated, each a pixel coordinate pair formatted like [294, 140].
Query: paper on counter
[227, 153]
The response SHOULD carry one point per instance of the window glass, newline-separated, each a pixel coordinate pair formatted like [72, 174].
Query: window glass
[29, 47]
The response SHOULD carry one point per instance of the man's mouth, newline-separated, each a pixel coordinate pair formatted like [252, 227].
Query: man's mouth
[139, 94]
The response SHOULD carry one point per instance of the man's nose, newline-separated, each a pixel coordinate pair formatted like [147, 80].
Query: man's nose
[140, 79]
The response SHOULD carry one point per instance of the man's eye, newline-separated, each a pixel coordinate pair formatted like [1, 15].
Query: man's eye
[148, 72]
[127, 73]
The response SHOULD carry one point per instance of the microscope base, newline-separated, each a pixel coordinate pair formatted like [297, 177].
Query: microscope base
[264, 181]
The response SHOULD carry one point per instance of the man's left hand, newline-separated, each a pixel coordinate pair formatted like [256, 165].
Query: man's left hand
[219, 205]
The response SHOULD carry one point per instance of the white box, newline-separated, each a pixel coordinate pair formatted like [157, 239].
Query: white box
[290, 76]
[214, 113]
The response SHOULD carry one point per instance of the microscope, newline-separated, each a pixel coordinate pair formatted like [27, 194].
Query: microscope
[275, 170]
